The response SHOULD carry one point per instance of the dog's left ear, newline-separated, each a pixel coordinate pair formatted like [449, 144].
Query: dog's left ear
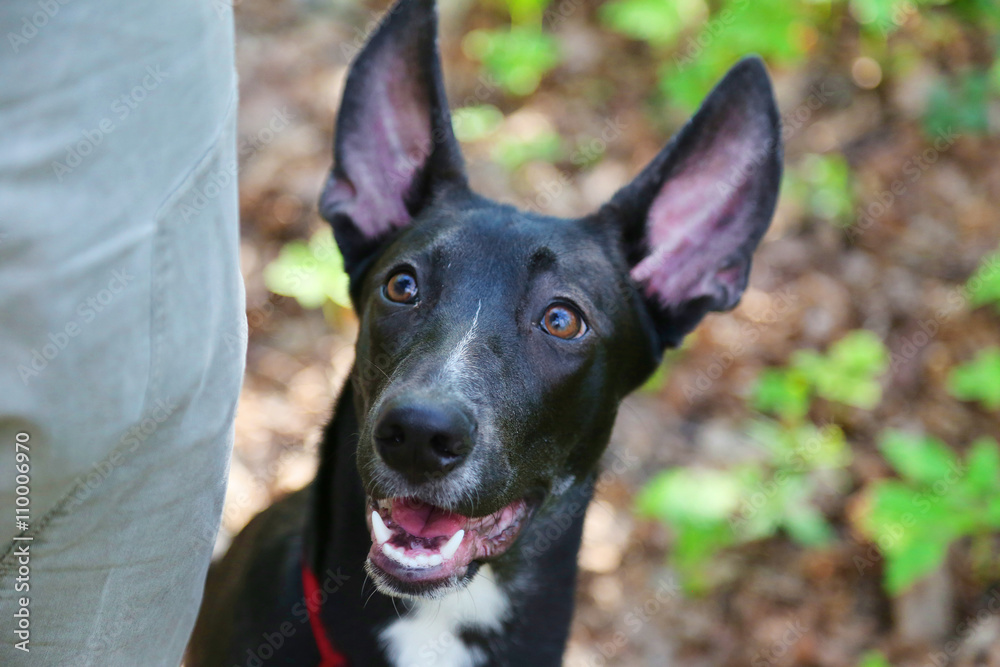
[394, 147]
[692, 219]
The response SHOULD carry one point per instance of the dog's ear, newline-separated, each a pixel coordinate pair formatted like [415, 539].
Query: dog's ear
[692, 219]
[394, 147]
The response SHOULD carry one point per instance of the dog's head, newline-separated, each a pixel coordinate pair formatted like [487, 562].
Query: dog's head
[496, 344]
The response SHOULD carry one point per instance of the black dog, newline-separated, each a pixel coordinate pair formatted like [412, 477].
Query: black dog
[495, 346]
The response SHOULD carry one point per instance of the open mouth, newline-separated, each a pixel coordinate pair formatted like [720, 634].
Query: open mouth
[418, 548]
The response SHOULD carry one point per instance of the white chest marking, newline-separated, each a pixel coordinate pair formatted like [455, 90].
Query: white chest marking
[430, 634]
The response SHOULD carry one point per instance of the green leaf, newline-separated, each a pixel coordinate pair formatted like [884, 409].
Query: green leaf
[513, 152]
[917, 560]
[782, 392]
[690, 496]
[873, 659]
[806, 525]
[518, 57]
[704, 52]
[693, 553]
[310, 272]
[802, 447]
[920, 458]
[978, 380]
[849, 372]
[476, 122]
[982, 478]
[912, 530]
[653, 21]
[526, 12]
[824, 184]
[984, 285]
[959, 104]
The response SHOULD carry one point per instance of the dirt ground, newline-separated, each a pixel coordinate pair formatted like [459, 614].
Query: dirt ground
[779, 604]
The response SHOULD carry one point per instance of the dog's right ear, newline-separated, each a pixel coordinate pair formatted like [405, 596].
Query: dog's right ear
[394, 147]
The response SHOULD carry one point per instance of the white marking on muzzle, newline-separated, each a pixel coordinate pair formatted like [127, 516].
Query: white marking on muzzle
[456, 363]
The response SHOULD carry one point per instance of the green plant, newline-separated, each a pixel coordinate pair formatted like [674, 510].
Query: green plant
[709, 510]
[474, 123]
[512, 152]
[312, 272]
[520, 56]
[983, 287]
[978, 380]
[937, 500]
[654, 21]
[848, 373]
[824, 185]
[873, 659]
[959, 104]
[697, 504]
[712, 510]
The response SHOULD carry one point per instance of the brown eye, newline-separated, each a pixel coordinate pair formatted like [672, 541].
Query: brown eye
[563, 322]
[401, 287]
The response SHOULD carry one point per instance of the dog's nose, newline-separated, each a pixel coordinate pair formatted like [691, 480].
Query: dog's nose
[423, 440]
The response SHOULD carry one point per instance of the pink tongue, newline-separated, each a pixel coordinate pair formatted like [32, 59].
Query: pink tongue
[423, 520]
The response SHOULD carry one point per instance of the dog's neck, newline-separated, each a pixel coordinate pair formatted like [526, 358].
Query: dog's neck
[516, 602]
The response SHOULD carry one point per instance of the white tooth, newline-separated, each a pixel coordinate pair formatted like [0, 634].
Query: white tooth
[421, 560]
[382, 532]
[449, 549]
[435, 560]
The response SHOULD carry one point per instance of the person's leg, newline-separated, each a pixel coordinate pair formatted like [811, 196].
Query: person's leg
[122, 328]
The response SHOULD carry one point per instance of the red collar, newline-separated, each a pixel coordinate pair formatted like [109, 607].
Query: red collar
[329, 655]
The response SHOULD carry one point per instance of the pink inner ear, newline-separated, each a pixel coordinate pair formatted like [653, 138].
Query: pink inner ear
[700, 220]
[388, 145]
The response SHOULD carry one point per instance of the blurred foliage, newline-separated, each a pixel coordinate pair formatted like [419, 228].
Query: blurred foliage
[475, 123]
[519, 56]
[512, 152]
[978, 380]
[874, 659]
[961, 104]
[937, 500]
[711, 510]
[312, 273]
[654, 21]
[847, 374]
[825, 186]
[983, 287]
